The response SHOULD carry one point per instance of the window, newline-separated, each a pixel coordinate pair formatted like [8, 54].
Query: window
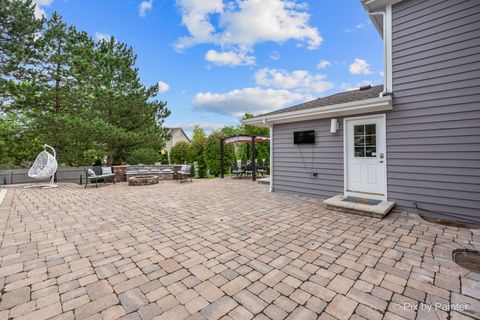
[365, 141]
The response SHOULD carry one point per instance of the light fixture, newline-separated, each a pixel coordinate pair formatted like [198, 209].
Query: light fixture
[334, 125]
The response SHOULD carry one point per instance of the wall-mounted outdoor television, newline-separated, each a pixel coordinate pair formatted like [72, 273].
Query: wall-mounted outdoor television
[304, 137]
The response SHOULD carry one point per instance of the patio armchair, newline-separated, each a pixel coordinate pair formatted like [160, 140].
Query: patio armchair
[97, 174]
[237, 171]
[185, 173]
[262, 171]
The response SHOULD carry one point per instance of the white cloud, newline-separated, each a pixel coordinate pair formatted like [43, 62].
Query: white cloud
[275, 55]
[196, 17]
[253, 100]
[276, 88]
[243, 24]
[229, 58]
[102, 36]
[355, 86]
[188, 126]
[163, 87]
[145, 6]
[359, 26]
[323, 64]
[300, 81]
[39, 7]
[360, 66]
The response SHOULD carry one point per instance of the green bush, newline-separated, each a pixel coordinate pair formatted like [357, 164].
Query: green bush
[144, 156]
[163, 158]
[195, 154]
[212, 153]
[179, 153]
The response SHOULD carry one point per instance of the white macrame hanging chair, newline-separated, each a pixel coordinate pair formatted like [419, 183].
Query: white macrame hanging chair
[44, 168]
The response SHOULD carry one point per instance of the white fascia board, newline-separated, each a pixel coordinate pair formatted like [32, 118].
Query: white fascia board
[337, 110]
[377, 5]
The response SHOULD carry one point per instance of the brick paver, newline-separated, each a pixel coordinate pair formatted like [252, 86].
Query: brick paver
[222, 249]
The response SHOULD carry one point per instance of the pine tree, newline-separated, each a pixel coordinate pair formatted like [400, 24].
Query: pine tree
[130, 116]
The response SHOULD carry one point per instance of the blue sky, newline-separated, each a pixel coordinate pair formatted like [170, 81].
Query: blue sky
[219, 59]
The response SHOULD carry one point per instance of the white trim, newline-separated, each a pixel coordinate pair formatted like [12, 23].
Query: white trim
[384, 117]
[388, 49]
[337, 110]
[3, 192]
[384, 8]
[271, 159]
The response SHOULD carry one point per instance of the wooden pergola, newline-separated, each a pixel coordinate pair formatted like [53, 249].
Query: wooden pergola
[251, 140]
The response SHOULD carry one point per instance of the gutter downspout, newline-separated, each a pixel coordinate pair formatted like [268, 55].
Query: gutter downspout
[271, 158]
[385, 68]
[270, 126]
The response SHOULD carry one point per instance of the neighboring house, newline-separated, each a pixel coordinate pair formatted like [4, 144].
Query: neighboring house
[177, 135]
[415, 140]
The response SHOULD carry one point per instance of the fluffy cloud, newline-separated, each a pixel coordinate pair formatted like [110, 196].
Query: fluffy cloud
[229, 58]
[237, 102]
[276, 88]
[323, 64]
[39, 7]
[188, 126]
[243, 24]
[359, 26]
[196, 16]
[300, 81]
[360, 66]
[102, 36]
[144, 7]
[275, 55]
[355, 86]
[163, 87]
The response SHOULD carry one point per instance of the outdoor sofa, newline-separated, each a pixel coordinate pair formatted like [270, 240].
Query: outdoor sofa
[99, 173]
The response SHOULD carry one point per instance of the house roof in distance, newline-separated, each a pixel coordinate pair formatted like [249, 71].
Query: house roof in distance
[174, 130]
[363, 93]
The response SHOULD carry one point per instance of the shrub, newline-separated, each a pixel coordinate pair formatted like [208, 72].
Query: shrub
[212, 153]
[195, 154]
[144, 156]
[163, 158]
[179, 153]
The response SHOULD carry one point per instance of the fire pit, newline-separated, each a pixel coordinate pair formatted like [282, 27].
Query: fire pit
[142, 180]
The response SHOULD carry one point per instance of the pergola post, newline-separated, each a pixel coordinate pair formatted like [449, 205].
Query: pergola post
[221, 158]
[254, 162]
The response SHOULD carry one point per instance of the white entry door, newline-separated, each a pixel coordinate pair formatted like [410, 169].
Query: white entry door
[365, 157]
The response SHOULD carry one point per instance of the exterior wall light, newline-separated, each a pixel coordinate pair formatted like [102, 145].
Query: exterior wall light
[334, 125]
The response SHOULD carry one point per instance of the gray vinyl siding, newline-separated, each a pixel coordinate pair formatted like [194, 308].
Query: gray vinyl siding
[293, 165]
[433, 133]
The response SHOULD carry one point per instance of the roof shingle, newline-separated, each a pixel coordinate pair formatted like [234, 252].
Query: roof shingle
[338, 98]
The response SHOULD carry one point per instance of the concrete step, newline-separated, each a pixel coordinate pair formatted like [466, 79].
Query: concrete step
[379, 210]
[264, 180]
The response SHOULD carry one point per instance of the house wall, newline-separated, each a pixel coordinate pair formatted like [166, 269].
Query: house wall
[294, 165]
[177, 137]
[433, 134]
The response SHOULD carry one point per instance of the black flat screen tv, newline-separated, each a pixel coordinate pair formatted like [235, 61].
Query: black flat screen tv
[304, 137]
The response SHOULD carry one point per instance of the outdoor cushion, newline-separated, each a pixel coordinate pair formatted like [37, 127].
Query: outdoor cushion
[91, 173]
[106, 170]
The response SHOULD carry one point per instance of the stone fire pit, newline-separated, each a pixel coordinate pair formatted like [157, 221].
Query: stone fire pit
[142, 180]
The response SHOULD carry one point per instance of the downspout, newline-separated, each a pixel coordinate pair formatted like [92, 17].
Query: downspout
[385, 59]
[270, 126]
[271, 158]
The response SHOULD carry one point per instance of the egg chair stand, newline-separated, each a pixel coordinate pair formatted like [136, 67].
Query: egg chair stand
[44, 168]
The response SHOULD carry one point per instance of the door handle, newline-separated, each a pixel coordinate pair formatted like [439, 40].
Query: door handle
[381, 157]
